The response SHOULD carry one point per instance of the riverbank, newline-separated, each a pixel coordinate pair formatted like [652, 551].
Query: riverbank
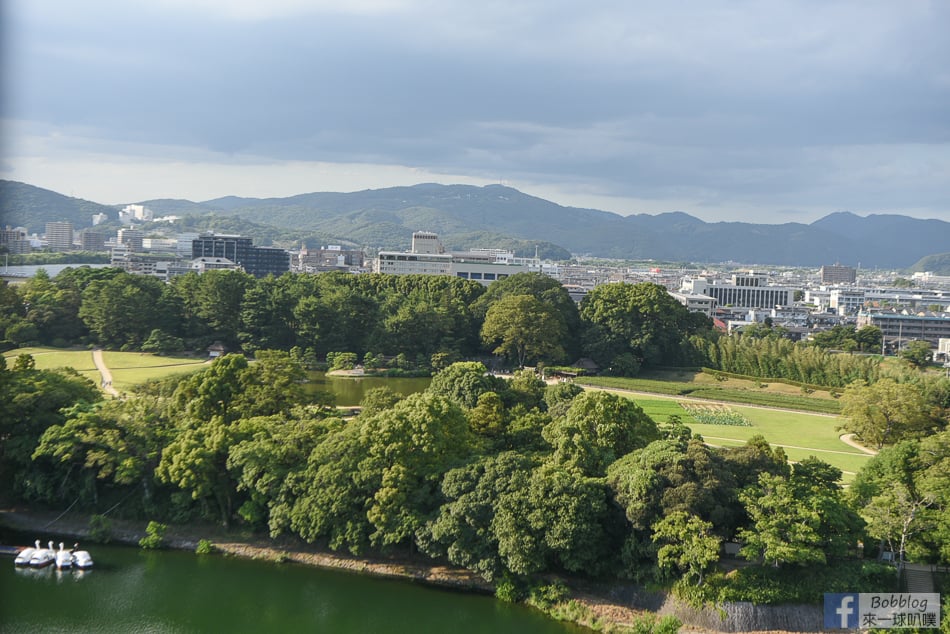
[608, 608]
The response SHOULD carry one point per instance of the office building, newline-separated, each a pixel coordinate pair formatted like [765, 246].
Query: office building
[258, 261]
[428, 257]
[746, 291]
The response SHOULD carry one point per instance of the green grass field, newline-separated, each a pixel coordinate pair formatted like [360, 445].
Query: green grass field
[128, 368]
[134, 368]
[800, 434]
[52, 358]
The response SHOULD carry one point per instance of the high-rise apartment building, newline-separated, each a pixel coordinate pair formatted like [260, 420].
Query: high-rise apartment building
[837, 274]
[59, 236]
[92, 240]
[131, 238]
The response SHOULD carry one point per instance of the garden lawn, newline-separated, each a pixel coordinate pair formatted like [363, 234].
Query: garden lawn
[800, 434]
[134, 368]
[128, 368]
[52, 358]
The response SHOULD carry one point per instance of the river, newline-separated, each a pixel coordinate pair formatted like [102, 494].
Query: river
[135, 591]
[29, 270]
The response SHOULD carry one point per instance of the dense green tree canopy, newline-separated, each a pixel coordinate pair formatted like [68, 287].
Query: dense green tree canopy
[886, 412]
[523, 328]
[629, 326]
[597, 429]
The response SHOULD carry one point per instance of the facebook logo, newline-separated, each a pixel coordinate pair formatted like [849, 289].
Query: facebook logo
[841, 610]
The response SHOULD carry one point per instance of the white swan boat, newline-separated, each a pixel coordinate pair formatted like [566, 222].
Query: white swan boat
[64, 558]
[23, 557]
[43, 557]
[81, 559]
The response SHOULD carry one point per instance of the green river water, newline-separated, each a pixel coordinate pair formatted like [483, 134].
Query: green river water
[134, 591]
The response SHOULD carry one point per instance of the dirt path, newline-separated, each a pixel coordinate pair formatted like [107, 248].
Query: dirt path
[104, 373]
[848, 439]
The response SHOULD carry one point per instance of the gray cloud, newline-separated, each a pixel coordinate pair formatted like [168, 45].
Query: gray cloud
[781, 105]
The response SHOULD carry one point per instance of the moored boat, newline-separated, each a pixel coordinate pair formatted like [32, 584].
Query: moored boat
[43, 557]
[24, 556]
[64, 558]
[82, 560]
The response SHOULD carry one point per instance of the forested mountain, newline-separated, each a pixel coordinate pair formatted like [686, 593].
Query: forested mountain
[466, 216]
[938, 264]
[23, 205]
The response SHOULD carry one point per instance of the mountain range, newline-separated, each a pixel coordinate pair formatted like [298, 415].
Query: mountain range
[469, 216]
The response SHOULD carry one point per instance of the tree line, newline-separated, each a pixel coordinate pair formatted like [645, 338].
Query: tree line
[525, 318]
[428, 321]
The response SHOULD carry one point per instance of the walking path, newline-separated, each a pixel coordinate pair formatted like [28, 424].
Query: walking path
[106, 382]
[848, 439]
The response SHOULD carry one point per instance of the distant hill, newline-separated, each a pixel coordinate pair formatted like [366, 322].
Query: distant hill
[938, 264]
[466, 216]
[23, 205]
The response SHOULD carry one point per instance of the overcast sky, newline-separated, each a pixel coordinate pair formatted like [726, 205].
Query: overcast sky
[764, 111]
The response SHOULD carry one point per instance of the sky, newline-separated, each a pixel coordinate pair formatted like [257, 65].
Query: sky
[766, 111]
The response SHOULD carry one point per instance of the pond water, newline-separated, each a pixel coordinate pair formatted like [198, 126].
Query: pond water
[349, 391]
[131, 590]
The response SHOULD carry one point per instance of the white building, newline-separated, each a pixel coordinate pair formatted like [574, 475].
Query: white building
[696, 303]
[131, 213]
[746, 291]
[846, 301]
[428, 257]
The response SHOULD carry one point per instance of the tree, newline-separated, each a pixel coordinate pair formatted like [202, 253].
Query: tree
[377, 400]
[520, 327]
[32, 401]
[598, 428]
[271, 458]
[123, 311]
[670, 475]
[686, 544]
[488, 417]
[162, 343]
[918, 353]
[885, 412]
[869, 338]
[546, 290]
[463, 529]
[463, 382]
[219, 301]
[196, 462]
[629, 326]
[375, 481]
[117, 442]
[558, 517]
[799, 519]
[904, 495]
[784, 530]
